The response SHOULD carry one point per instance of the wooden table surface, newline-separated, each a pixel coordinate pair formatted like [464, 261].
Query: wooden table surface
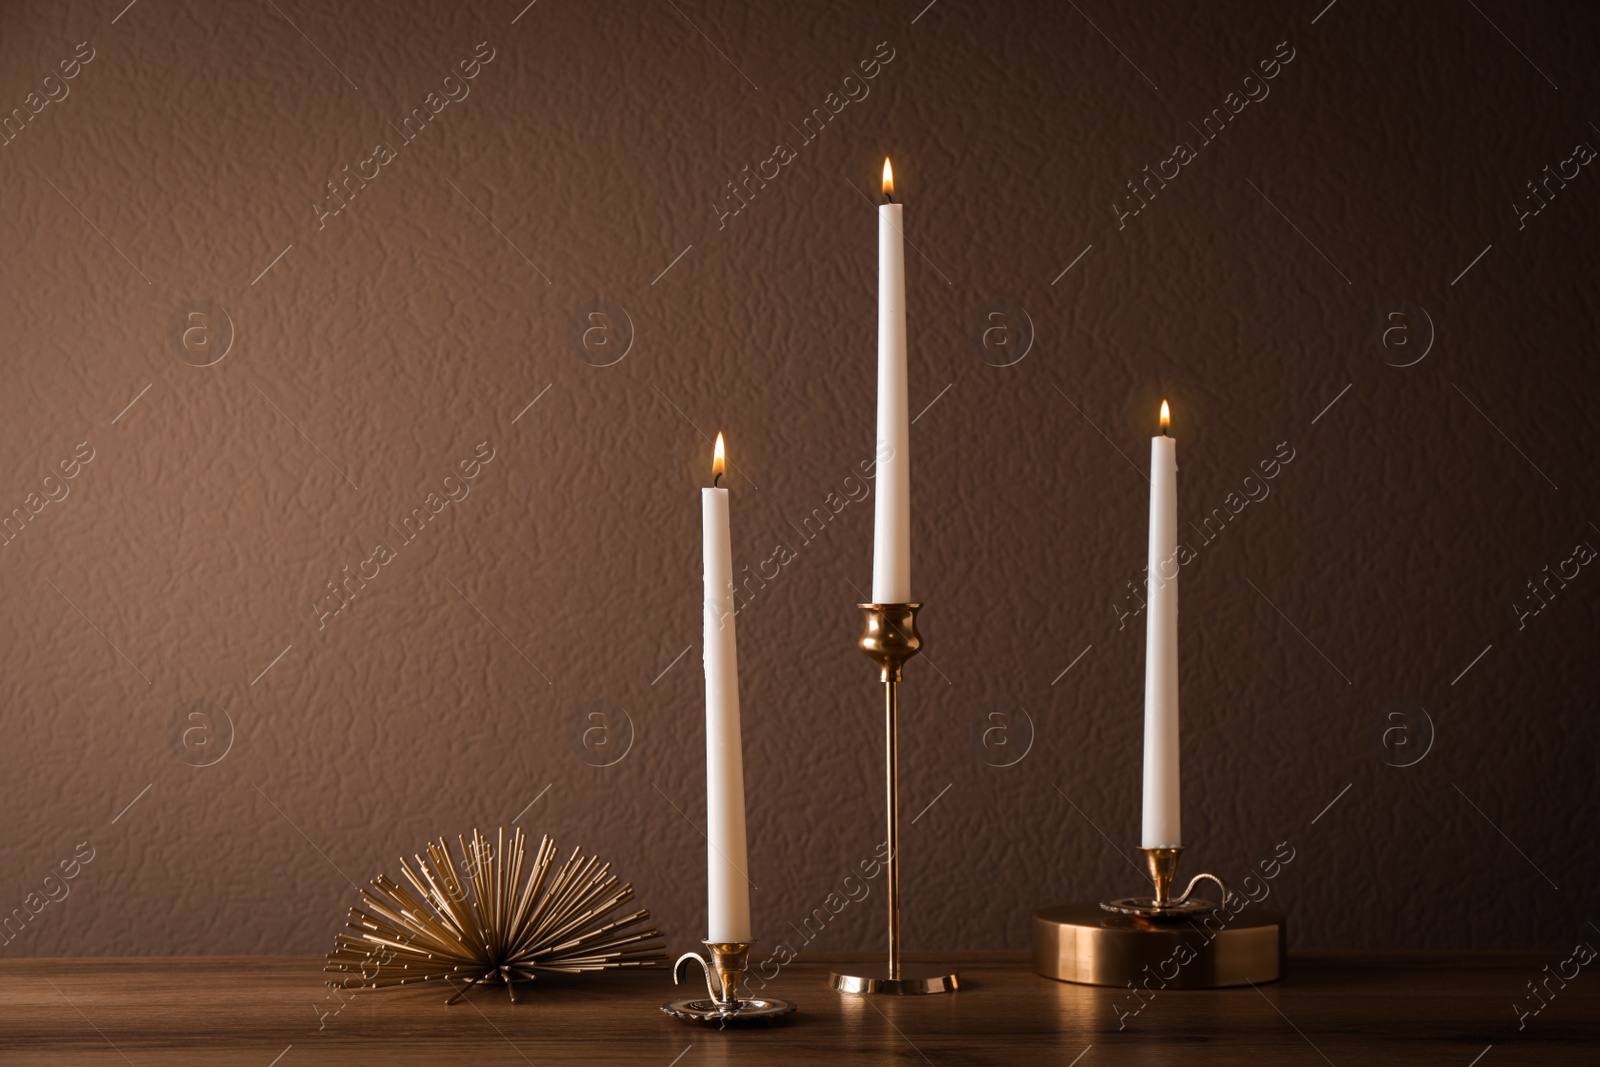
[1452, 1010]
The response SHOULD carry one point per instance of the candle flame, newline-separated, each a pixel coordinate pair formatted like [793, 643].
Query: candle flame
[719, 460]
[1166, 417]
[888, 178]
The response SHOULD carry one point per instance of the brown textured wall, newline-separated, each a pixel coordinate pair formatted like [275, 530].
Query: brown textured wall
[1311, 255]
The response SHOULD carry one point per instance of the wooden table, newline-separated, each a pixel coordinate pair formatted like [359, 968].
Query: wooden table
[1335, 1009]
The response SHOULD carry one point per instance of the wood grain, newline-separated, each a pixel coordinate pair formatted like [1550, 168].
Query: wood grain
[1334, 1009]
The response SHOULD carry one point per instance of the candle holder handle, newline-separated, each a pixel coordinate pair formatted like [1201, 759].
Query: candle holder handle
[1226, 893]
[730, 961]
[889, 637]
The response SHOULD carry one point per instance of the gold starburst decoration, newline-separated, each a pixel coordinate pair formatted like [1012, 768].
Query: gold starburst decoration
[491, 925]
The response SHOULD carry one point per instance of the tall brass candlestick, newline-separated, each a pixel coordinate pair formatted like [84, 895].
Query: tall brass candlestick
[890, 638]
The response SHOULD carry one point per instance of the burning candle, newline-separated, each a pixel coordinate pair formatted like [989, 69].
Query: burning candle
[1162, 819]
[727, 887]
[891, 545]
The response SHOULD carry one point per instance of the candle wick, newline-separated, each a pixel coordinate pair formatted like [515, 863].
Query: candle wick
[889, 197]
[715, 478]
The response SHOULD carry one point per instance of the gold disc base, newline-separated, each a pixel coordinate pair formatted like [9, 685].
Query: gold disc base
[1087, 944]
[904, 986]
[752, 1010]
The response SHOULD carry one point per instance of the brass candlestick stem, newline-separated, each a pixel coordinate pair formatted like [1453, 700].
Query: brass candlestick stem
[890, 637]
[730, 961]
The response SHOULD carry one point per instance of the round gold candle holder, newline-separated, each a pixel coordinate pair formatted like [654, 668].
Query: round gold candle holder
[890, 637]
[722, 1004]
[1161, 941]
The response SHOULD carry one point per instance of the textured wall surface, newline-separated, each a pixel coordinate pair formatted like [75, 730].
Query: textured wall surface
[1340, 274]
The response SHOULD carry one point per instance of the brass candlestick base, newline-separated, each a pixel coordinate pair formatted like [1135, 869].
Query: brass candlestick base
[890, 638]
[904, 986]
[722, 1005]
[1161, 941]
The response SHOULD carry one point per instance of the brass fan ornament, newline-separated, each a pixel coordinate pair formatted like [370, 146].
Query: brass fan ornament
[491, 925]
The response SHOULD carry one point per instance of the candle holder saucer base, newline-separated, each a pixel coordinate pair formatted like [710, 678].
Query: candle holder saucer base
[904, 986]
[1151, 908]
[722, 1006]
[704, 1010]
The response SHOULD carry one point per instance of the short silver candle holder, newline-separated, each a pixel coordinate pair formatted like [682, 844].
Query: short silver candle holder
[722, 1005]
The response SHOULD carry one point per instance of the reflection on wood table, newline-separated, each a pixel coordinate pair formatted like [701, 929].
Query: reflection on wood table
[1456, 1010]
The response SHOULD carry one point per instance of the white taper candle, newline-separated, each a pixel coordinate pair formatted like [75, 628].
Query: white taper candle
[891, 544]
[727, 887]
[1162, 819]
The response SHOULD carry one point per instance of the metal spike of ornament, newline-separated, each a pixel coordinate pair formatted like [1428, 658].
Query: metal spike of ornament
[484, 928]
